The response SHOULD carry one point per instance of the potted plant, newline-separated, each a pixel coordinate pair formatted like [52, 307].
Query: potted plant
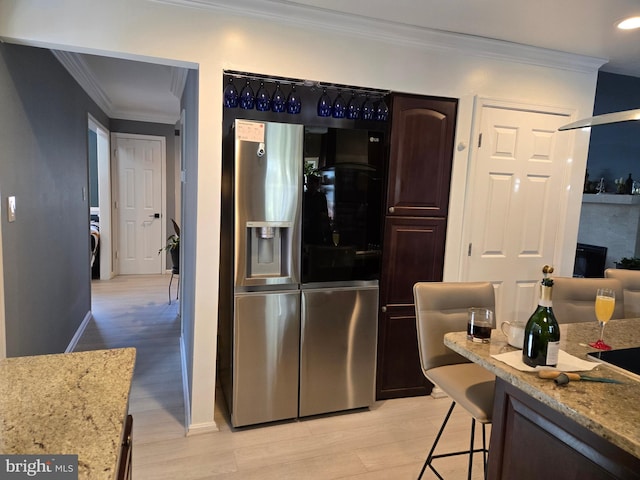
[629, 263]
[173, 247]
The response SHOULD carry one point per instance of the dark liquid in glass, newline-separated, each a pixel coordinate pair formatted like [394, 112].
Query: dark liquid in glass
[478, 331]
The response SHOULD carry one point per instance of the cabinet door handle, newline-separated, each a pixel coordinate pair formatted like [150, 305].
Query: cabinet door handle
[384, 309]
[392, 210]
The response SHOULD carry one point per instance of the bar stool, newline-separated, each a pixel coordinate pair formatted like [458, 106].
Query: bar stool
[630, 280]
[574, 298]
[442, 308]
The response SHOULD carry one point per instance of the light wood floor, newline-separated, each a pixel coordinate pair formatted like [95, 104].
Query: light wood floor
[389, 441]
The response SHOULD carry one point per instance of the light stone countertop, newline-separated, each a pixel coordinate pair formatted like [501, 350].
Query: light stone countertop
[609, 410]
[73, 403]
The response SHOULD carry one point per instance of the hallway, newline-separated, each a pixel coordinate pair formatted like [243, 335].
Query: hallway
[389, 441]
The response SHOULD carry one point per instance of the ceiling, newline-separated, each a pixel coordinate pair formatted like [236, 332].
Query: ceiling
[149, 92]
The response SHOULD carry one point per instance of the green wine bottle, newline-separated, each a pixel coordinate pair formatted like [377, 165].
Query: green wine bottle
[542, 333]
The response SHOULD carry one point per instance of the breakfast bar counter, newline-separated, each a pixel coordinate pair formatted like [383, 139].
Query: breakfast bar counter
[588, 429]
[71, 404]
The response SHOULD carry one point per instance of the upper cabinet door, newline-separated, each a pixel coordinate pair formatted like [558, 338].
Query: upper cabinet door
[422, 136]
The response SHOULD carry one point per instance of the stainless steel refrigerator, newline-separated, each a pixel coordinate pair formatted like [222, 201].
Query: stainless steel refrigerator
[295, 340]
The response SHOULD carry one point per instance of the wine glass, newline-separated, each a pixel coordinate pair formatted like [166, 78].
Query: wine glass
[294, 104]
[324, 104]
[367, 109]
[247, 97]
[231, 95]
[263, 99]
[278, 101]
[353, 107]
[605, 303]
[382, 111]
[339, 106]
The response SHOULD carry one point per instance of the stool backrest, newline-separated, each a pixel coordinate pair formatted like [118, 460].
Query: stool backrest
[574, 298]
[630, 280]
[442, 307]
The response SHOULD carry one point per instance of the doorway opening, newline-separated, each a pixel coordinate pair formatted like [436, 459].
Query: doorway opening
[100, 201]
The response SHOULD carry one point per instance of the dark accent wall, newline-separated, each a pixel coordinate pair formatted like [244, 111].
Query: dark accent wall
[614, 150]
[43, 163]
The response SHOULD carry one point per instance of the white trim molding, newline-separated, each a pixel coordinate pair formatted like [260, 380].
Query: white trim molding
[291, 13]
[80, 70]
[79, 332]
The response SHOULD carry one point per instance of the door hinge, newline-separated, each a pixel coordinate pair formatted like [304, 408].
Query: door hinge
[117, 255]
[469, 251]
[479, 140]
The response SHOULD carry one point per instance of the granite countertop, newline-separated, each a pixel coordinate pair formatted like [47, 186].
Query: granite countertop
[73, 403]
[609, 410]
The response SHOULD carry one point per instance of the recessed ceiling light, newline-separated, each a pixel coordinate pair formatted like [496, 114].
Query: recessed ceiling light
[629, 23]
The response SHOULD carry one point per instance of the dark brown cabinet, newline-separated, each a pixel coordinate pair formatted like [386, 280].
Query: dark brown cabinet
[420, 158]
[529, 440]
[422, 132]
[126, 451]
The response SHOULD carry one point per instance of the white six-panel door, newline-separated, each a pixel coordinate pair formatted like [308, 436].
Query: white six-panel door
[140, 160]
[513, 224]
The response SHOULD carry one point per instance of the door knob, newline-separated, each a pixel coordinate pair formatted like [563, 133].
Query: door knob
[392, 210]
[155, 215]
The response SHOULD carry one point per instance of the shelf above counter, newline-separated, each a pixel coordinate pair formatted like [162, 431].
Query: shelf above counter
[611, 198]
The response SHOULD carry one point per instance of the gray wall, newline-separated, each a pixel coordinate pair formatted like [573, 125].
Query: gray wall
[189, 103]
[43, 163]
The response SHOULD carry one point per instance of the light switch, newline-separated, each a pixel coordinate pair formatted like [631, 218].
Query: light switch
[11, 209]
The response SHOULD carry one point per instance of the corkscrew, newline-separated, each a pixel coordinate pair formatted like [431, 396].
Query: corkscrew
[562, 378]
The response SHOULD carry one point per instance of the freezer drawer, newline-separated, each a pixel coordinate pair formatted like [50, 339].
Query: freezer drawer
[338, 349]
[266, 357]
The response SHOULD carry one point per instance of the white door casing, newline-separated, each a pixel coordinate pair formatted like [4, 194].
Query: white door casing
[104, 198]
[140, 166]
[519, 171]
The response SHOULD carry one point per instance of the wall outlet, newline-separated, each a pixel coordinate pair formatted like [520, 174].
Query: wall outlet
[11, 209]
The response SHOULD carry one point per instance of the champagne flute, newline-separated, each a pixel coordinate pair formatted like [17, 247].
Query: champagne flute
[605, 304]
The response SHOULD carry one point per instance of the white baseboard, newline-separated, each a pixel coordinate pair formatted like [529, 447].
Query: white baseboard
[76, 337]
[202, 428]
[185, 385]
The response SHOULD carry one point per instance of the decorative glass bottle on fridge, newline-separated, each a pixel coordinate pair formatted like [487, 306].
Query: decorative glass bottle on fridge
[542, 333]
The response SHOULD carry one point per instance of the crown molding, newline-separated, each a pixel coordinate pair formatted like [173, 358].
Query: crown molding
[178, 81]
[291, 13]
[145, 116]
[82, 74]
